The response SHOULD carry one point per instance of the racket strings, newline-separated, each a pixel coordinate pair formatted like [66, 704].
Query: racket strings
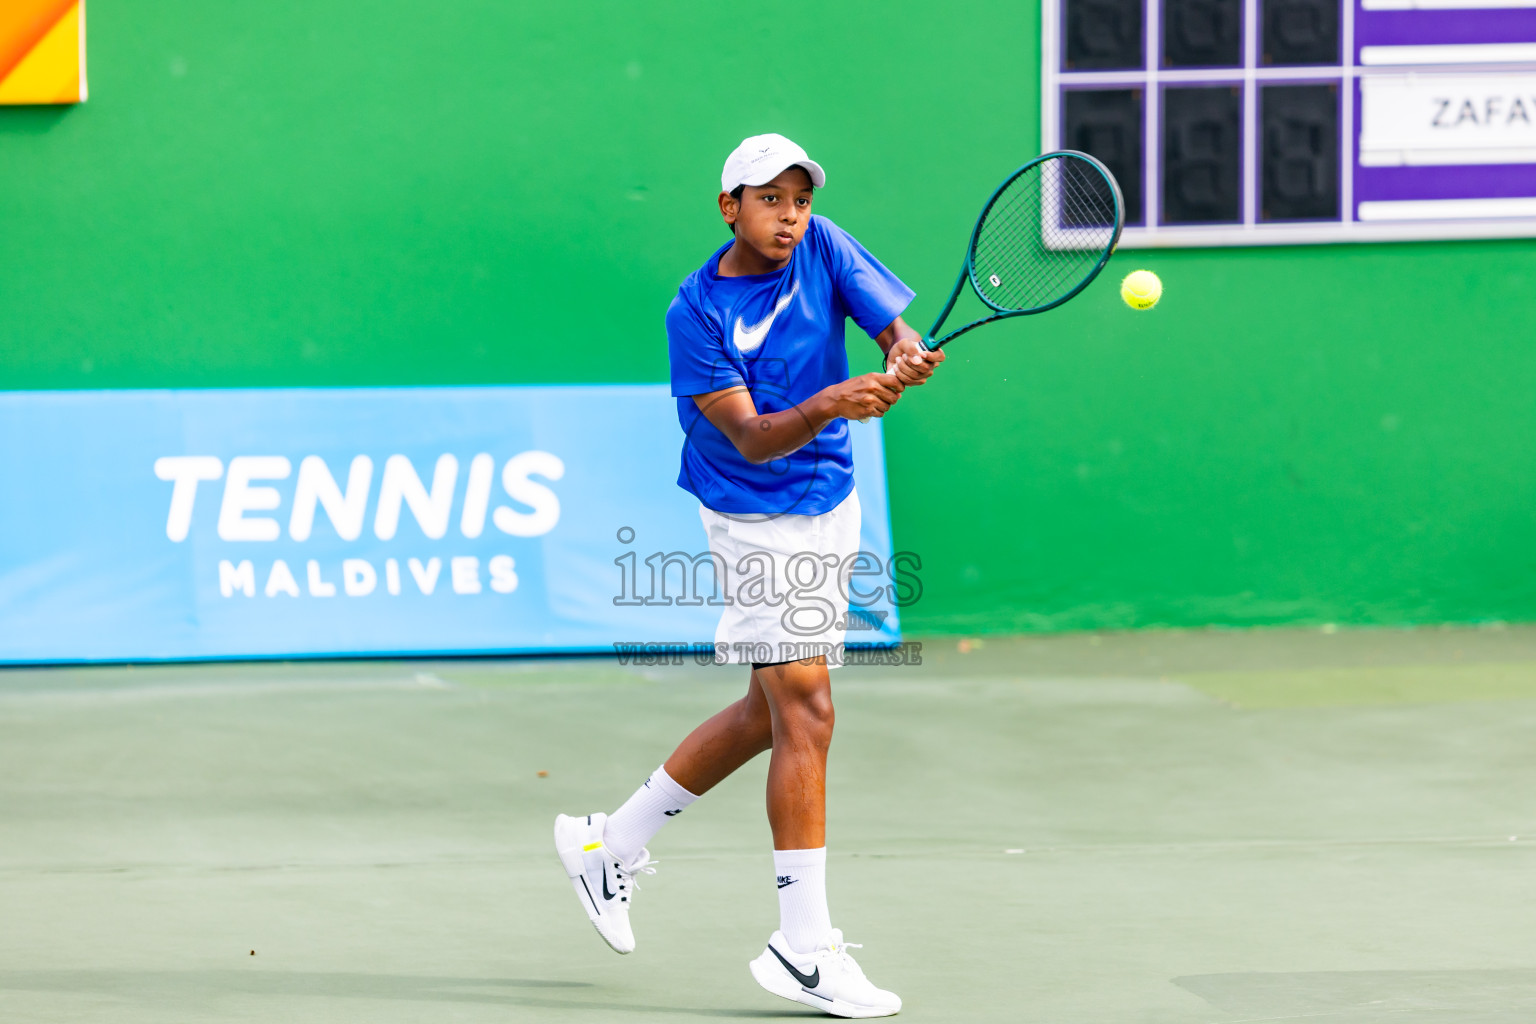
[1043, 234]
[1041, 260]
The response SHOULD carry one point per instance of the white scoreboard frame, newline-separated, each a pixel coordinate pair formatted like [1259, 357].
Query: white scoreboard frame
[1252, 231]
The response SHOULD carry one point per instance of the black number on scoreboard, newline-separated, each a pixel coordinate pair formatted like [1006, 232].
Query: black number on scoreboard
[1301, 32]
[1202, 155]
[1104, 35]
[1106, 123]
[1300, 152]
[1202, 33]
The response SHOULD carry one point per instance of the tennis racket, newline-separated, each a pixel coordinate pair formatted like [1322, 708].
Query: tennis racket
[1047, 231]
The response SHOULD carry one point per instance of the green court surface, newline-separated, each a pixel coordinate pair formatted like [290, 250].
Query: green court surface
[1160, 828]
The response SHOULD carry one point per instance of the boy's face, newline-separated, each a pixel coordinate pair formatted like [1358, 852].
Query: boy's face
[771, 218]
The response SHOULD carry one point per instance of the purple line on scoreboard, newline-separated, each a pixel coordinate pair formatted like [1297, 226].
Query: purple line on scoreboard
[1441, 28]
[1483, 181]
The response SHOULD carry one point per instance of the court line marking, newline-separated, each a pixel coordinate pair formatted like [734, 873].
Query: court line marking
[66, 693]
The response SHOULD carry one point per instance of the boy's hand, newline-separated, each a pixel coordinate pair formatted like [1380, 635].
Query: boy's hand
[866, 395]
[911, 361]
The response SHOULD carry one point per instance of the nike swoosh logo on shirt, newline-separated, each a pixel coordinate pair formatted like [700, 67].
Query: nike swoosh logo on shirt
[749, 338]
[808, 980]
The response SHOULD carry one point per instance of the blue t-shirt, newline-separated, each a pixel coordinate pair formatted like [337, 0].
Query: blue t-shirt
[781, 335]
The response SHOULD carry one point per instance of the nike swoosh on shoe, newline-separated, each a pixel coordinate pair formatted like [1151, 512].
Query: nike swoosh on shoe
[808, 980]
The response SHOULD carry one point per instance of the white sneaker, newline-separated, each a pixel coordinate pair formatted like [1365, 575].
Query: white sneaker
[603, 884]
[827, 979]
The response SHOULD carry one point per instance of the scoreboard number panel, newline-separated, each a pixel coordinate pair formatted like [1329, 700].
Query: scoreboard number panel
[1251, 122]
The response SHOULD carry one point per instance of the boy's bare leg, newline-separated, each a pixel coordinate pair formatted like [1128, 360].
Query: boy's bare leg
[724, 743]
[800, 702]
[788, 708]
[806, 959]
[799, 695]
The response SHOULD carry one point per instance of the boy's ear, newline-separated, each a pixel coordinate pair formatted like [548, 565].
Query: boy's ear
[729, 208]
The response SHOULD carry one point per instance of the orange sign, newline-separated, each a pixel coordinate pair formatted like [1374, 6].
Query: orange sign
[42, 51]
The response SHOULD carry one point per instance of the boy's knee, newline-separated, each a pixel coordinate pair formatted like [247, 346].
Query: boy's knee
[810, 717]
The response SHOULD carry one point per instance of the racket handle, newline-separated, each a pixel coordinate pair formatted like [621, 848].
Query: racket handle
[927, 344]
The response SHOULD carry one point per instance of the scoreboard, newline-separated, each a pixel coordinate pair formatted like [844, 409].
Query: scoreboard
[1246, 122]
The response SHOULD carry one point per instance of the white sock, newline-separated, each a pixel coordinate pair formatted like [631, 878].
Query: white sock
[802, 879]
[654, 804]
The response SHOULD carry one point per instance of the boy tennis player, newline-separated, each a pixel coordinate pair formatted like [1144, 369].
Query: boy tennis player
[760, 373]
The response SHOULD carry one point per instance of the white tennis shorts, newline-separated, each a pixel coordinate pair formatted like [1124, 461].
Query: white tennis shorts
[785, 583]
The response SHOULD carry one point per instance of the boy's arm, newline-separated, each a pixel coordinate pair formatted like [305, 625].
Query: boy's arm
[763, 437]
[905, 354]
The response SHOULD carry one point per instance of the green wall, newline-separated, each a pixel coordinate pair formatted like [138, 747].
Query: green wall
[399, 192]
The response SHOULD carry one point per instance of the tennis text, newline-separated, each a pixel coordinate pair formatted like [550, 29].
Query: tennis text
[250, 509]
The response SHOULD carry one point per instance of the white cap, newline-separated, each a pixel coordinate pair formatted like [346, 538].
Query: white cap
[760, 159]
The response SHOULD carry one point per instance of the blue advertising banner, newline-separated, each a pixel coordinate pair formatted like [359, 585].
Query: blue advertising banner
[144, 525]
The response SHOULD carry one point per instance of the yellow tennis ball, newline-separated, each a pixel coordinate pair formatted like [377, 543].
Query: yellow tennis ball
[1141, 289]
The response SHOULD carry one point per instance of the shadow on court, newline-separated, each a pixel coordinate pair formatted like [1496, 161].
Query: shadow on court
[170, 986]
